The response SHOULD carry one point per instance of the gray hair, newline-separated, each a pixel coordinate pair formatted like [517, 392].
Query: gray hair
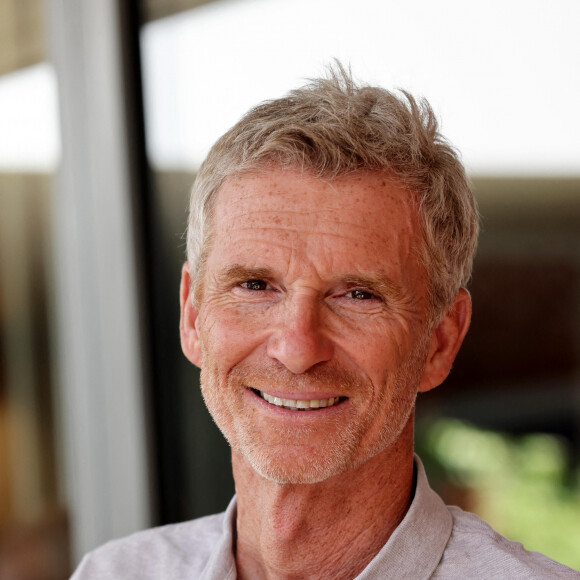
[332, 127]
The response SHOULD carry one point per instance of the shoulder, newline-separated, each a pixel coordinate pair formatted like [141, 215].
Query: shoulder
[477, 551]
[173, 551]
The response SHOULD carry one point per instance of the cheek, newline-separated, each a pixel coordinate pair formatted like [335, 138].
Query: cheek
[379, 349]
[228, 336]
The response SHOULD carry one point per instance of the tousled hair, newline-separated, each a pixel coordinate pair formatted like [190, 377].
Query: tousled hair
[332, 127]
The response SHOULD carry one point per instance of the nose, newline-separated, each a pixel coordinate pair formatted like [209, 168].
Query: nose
[299, 341]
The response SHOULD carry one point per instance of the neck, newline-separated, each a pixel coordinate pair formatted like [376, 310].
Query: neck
[331, 529]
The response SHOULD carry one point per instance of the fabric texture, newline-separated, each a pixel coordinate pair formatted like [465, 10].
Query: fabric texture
[433, 541]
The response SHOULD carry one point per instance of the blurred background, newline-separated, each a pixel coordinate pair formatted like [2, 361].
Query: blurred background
[108, 107]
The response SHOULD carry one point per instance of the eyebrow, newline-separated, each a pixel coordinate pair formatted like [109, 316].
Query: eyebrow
[380, 282]
[238, 272]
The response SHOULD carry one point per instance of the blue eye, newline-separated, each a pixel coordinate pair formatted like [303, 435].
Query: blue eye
[255, 285]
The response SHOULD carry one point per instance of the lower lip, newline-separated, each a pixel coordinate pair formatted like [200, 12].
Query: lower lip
[300, 414]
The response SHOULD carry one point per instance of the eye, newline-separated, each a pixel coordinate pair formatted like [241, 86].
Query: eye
[255, 285]
[361, 295]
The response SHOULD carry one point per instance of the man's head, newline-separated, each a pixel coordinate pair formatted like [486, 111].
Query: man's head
[327, 277]
[333, 127]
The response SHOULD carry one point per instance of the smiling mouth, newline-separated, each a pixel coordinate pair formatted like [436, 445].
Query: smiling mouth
[299, 404]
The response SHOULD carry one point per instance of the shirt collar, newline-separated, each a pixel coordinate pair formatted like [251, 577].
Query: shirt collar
[416, 546]
[222, 564]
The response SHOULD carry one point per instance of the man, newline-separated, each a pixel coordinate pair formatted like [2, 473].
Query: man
[331, 236]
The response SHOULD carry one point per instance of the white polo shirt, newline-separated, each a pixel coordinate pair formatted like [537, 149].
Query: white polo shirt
[434, 541]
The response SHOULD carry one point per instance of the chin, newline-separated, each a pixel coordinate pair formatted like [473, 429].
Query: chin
[289, 470]
[299, 465]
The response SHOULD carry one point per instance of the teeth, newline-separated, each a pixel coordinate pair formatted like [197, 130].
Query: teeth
[300, 404]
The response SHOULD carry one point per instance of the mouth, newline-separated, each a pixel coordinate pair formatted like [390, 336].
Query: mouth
[300, 404]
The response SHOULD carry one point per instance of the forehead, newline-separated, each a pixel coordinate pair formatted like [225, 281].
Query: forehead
[369, 198]
[361, 221]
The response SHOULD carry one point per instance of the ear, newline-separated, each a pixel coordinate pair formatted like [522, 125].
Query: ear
[190, 343]
[445, 341]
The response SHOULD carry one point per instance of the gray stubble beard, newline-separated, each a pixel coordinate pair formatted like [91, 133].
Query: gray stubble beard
[336, 456]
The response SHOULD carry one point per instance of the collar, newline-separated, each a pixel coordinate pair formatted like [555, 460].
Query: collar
[416, 546]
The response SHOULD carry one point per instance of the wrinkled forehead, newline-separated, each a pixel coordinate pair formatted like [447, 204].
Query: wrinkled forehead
[376, 196]
[368, 219]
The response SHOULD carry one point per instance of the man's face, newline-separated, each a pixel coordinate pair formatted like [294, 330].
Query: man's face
[312, 320]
